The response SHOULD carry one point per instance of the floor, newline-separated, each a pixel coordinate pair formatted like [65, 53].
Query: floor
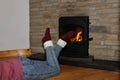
[80, 73]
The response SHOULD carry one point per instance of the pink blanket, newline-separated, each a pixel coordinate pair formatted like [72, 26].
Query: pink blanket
[11, 69]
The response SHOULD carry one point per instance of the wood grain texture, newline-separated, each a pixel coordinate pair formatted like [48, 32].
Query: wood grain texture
[13, 53]
[79, 73]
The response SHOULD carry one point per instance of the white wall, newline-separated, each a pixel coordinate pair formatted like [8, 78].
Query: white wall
[14, 24]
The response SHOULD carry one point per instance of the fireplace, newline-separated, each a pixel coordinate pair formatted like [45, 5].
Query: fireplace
[77, 48]
[76, 52]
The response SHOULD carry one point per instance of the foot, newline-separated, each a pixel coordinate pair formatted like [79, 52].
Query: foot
[47, 36]
[66, 37]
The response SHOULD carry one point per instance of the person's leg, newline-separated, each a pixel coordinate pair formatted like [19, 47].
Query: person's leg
[63, 41]
[60, 44]
[38, 70]
[50, 53]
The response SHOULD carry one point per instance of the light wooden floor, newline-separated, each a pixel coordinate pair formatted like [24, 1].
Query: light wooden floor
[79, 73]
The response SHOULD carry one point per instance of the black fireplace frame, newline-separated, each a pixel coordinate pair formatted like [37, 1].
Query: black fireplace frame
[75, 49]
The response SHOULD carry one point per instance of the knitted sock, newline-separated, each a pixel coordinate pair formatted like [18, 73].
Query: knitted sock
[66, 37]
[47, 36]
[46, 40]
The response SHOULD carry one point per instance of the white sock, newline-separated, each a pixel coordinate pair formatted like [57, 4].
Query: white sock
[62, 43]
[48, 43]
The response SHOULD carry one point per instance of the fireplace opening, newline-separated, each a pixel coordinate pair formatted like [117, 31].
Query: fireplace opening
[78, 46]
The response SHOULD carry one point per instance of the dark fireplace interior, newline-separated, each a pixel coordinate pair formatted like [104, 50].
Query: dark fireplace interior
[77, 47]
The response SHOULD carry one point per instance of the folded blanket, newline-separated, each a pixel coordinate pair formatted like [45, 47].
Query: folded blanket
[11, 69]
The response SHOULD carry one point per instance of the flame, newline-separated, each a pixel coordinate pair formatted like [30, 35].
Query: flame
[78, 37]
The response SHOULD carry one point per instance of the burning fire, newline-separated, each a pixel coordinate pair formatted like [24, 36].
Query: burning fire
[78, 37]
